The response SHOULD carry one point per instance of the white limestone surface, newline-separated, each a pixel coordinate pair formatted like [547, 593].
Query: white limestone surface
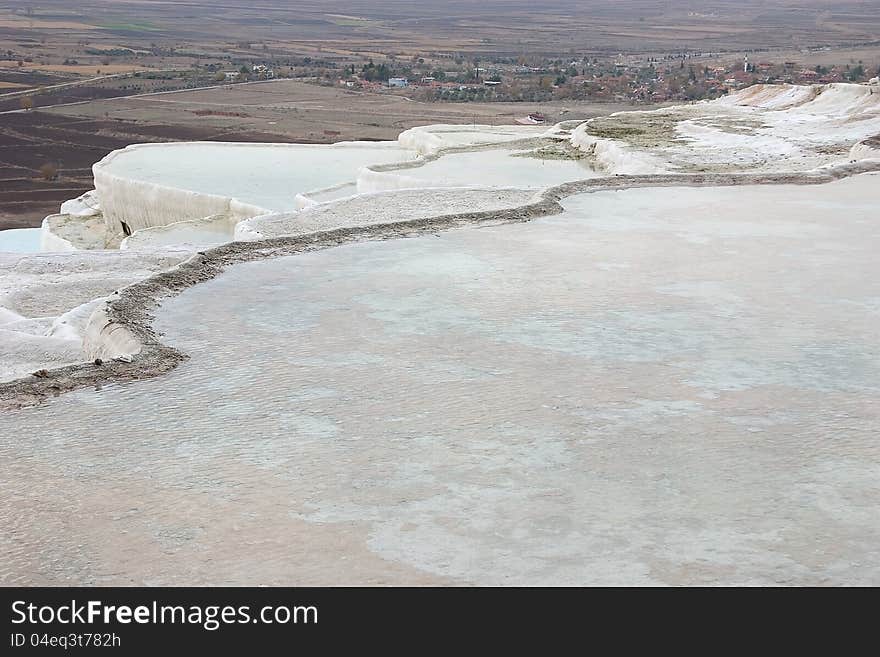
[614, 157]
[194, 234]
[47, 299]
[78, 225]
[868, 149]
[87, 205]
[760, 128]
[71, 232]
[327, 194]
[430, 139]
[382, 208]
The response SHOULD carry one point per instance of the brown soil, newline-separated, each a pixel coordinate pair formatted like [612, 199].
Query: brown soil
[64, 95]
[29, 140]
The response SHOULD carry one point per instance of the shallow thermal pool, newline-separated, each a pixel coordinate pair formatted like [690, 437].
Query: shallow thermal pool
[20, 240]
[498, 168]
[658, 386]
[197, 234]
[268, 176]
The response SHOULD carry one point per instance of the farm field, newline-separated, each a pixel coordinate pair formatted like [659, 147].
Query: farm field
[499, 26]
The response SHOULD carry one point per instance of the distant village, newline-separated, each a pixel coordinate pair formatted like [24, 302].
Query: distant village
[621, 80]
[629, 79]
[459, 78]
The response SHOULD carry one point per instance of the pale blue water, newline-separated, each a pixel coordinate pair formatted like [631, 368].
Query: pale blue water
[267, 176]
[499, 168]
[20, 240]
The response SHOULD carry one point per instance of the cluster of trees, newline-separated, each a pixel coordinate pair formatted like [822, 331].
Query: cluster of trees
[379, 73]
[111, 52]
[855, 73]
[382, 72]
[483, 94]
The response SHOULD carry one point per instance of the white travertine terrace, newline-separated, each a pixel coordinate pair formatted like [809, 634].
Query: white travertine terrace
[177, 198]
[382, 207]
[194, 233]
[47, 301]
[429, 140]
[760, 128]
[149, 185]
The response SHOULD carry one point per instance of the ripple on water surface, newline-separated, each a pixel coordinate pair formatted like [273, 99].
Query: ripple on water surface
[582, 399]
